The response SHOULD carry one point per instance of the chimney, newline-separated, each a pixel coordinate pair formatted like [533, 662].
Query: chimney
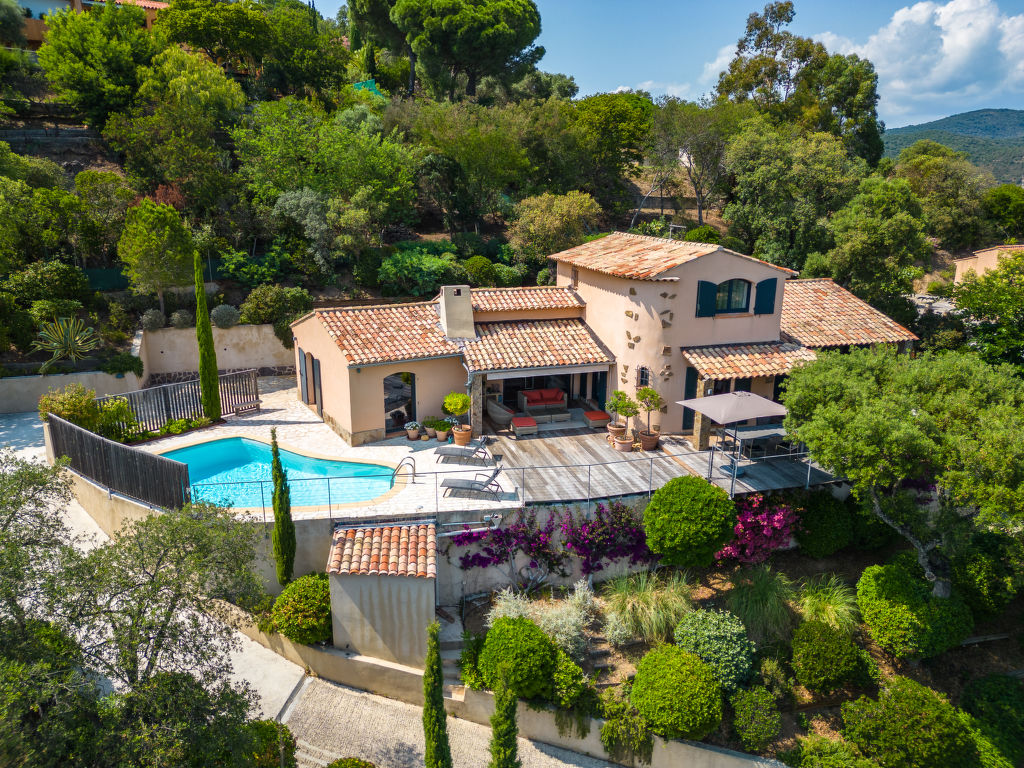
[456, 307]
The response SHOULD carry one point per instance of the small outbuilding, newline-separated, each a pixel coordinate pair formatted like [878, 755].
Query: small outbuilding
[382, 582]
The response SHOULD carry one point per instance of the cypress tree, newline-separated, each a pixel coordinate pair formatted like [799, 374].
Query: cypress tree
[435, 719]
[209, 384]
[504, 730]
[284, 529]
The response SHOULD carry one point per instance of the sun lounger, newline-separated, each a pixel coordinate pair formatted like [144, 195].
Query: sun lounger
[481, 483]
[466, 454]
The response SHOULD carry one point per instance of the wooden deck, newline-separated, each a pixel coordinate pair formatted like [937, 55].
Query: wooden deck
[574, 465]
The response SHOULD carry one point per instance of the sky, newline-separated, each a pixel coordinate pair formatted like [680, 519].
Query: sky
[933, 58]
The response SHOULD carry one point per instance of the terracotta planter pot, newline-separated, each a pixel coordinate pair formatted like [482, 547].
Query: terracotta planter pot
[442, 435]
[462, 435]
[624, 443]
[413, 434]
[617, 430]
[431, 432]
[649, 440]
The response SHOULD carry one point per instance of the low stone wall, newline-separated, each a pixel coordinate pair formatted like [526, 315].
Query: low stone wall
[172, 354]
[19, 394]
[406, 684]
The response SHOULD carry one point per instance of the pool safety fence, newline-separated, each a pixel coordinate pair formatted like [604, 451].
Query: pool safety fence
[155, 406]
[137, 474]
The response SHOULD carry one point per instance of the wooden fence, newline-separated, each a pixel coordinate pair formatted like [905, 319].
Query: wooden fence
[144, 476]
[155, 406]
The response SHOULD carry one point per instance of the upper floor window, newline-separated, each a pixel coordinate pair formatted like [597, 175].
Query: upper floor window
[643, 376]
[733, 296]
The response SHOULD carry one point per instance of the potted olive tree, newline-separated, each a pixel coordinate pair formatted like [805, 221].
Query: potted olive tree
[649, 400]
[615, 404]
[457, 404]
[626, 407]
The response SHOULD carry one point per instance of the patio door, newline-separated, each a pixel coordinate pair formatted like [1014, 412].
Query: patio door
[599, 387]
[302, 375]
[317, 390]
[689, 391]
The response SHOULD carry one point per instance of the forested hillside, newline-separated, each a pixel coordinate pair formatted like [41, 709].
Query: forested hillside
[992, 138]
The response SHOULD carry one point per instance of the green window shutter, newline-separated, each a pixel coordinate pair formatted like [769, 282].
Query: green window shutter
[764, 301]
[707, 295]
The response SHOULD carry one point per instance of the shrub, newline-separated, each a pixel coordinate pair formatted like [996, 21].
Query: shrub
[564, 621]
[677, 694]
[903, 617]
[506, 276]
[705, 233]
[153, 320]
[569, 682]
[719, 639]
[761, 597]
[648, 605]
[616, 631]
[15, 324]
[224, 316]
[824, 658]
[350, 762]
[756, 719]
[909, 726]
[869, 532]
[74, 403]
[826, 523]
[524, 652]
[983, 574]
[774, 678]
[275, 745]
[302, 612]
[48, 280]
[830, 600]
[480, 271]
[46, 310]
[997, 704]
[625, 734]
[816, 751]
[545, 277]
[116, 420]
[271, 303]
[122, 362]
[182, 318]
[688, 520]
[762, 526]
[469, 658]
[986, 742]
[417, 273]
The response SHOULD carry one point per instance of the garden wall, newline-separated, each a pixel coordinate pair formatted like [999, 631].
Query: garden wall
[19, 394]
[175, 351]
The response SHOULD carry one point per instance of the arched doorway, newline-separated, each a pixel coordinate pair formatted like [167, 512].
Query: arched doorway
[399, 400]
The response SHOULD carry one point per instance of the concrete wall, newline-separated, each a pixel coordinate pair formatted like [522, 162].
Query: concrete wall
[21, 393]
[382, 616]
[175, 350]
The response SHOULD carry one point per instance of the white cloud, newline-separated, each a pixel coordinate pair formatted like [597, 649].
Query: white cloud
[713, 68]
[936, 59]
[679, 90]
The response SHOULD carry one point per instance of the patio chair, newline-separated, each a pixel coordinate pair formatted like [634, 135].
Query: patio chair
[481, 483]
[466, 454]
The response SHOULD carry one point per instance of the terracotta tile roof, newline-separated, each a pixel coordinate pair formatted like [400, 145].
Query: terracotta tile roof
[513, 299]
[395, 550]
[743, 361]
[387, 332]
[153, 5]
[818, 313]
[640, 257]
[533, 344]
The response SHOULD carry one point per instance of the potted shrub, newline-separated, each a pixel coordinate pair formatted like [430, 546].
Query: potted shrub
[442, 427]
[412, 430]
[457, 404]
[616, 403]
[428, 425]
[649, 400]
[627, 408]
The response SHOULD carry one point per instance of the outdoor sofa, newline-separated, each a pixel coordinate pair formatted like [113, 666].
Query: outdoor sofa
[542, 400]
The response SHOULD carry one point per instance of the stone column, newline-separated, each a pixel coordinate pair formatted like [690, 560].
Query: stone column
[476, 408]
[701, 431]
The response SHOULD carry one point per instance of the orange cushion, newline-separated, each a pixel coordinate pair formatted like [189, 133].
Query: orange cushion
[532, 395]
[551, 394]
[524, 421]
[596, 415]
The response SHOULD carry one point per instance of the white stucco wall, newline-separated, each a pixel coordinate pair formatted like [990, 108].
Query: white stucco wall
[175, 350]
[21, 393]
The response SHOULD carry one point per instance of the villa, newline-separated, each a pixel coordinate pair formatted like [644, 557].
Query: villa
[983, 261]
[627, 311]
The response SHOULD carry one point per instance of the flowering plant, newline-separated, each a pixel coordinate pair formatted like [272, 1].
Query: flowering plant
[412, 425]
[763, 525]
[612, 533]
[522, 535]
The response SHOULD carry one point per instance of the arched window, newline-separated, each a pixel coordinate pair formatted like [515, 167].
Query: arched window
[733, 296]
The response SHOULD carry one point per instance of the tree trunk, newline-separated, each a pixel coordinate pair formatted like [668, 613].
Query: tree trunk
[160, 298]
[471, 84]
[935, 567]
[412, 71]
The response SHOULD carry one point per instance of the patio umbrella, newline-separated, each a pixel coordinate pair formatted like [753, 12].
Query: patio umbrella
[734, 406]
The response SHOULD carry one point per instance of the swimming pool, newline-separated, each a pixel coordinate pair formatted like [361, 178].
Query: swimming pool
[235, 472]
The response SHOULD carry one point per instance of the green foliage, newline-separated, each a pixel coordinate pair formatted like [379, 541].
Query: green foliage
[274, 303]
[52, 309]
[181, 319]
[153, 320]
[156, 249]
[47, 280]
[209, 381]
[569, 682]
[776, 679]
[648, 399]
[224, 316]
[904, 618]
[997, 704]
[816, 751]
[908, 726]
[625, 734]
[283, 534]
[504, 729]
[116, 420]
[517, 651]
[1004, 205]
[646, 604]
[756, 719]
[677, 694]
[761, 598]
[824, 658]
[623, 405]
[456, 403]
[350, 762]
[826, 523]
[720, 640]
[469, 657]
[74, 403]
[984, 573]
[302, 612]
[830, 600]
[94, 60]
[65, 339]
[705, 233]
[15, 324]
[547, 224]
[417, 273]
[992, 306]
[275, 745]
[270, 268]
[687, 520]
[480, 271]
[435, 720]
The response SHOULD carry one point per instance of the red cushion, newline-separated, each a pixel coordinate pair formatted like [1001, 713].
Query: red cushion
[532, 395]
[524, 421]
[596, 415]
[551, 394]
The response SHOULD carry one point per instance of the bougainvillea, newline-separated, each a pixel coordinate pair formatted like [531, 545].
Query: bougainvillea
[612, 533]
[763, 525]
[520, 535]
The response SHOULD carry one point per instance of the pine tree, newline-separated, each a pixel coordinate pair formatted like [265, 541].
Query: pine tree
[504, 730]
[435, 719]
[284, 529]
[209, 383]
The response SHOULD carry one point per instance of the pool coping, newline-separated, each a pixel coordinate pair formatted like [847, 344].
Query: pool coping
[400, 480]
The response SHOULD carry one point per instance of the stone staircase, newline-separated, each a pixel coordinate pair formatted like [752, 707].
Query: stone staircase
[309, 756]
[599, 651]
[451, 649]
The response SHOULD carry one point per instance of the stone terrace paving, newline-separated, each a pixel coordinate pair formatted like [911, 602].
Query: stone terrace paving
[299, 428]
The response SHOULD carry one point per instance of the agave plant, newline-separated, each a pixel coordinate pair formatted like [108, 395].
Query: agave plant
[67, 339]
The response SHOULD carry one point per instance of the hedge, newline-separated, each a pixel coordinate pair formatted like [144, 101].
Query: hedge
[756, 719]
[302, 612]
[688, 520]
[824, 658]
[677, 694]
[997, 703]
[826, 523]
[518, 651]
[719, 639]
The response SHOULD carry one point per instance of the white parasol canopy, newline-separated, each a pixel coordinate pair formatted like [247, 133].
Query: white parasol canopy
[734, 406]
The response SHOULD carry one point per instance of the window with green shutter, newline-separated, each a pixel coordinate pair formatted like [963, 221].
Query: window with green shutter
[764, 299]
[707, 296]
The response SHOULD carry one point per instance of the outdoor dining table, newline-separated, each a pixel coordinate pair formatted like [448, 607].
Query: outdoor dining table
[754, 434]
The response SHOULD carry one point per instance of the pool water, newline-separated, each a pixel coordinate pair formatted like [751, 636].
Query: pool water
[235, 472]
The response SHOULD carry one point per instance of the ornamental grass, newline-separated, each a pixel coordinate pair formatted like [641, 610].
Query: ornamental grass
[647, 604]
